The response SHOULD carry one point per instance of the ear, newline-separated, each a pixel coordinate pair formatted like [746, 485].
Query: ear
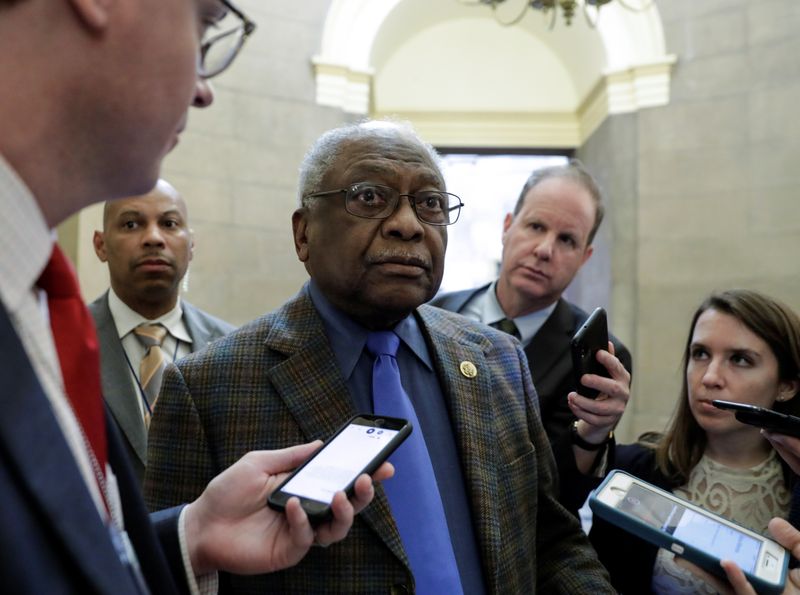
[300, 233]
[99, 242]
[191, 244]
[94, 14]
[587, 254]
[787, 390]
[507, 221]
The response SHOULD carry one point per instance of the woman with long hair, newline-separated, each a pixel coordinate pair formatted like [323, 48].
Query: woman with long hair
[742, 346]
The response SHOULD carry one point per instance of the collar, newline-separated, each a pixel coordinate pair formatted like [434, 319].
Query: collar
[126, 319]
[348, 338]
[528, 325]
[25, 239]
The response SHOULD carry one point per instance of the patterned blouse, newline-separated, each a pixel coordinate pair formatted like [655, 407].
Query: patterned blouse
[750, 496]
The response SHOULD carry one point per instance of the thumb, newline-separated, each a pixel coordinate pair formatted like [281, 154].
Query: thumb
[286, 459]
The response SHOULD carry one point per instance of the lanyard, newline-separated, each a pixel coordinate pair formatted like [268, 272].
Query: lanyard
[142, 394]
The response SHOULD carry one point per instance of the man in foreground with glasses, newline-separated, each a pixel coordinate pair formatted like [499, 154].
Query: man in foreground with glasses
[94, 94]
[472, 509]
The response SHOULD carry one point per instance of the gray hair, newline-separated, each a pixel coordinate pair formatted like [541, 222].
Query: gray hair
[576, 172]
[325, 151]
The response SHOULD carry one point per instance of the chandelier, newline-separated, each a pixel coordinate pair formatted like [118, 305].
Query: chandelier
[550, 7]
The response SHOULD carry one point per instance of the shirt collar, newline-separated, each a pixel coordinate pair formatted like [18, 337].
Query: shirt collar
[528, 325]
[126, 319]
[25, 238]
[348, 338]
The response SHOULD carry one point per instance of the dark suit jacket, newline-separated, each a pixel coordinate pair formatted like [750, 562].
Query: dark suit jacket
[275, 383]
[119, 393]
[51, 537]
[548, 357]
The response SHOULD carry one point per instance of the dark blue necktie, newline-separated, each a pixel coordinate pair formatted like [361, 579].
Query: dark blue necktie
[413, 493]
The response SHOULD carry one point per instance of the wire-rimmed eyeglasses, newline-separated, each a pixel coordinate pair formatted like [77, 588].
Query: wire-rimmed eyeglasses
[223, 40]
[373, 201]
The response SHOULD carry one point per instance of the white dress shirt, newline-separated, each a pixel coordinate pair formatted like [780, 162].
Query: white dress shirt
[176, 344]
[485, 308]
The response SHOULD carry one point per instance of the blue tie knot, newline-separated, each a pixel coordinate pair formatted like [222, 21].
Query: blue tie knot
[383, 343]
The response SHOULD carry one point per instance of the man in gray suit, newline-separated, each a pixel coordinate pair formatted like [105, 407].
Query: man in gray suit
[147, 243]
[546, 240]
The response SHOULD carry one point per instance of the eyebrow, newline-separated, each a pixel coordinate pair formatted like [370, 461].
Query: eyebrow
[215, 11]
[740, 350]
[135, 213]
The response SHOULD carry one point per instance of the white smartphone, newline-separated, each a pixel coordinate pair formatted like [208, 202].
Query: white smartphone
[698, 535]
[359, 446]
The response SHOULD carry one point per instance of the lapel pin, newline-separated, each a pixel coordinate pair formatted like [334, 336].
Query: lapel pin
[468, 369]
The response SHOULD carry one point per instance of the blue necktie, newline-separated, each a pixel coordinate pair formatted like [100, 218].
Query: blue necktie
[413, 493]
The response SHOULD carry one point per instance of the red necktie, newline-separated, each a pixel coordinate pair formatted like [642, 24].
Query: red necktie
[78, 352]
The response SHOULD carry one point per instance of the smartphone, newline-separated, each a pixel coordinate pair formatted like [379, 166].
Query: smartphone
[771, 420]
[588, 340]
[359, 446]
[701, 537]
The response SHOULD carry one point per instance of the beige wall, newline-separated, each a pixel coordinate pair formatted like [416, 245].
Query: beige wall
[711, 189]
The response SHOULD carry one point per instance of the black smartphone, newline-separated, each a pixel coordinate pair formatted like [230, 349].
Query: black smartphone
[588, 340]
[771, 420]
[700, 536]
[359, 446]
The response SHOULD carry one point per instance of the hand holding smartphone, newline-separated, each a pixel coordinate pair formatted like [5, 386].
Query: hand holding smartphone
[698, 535]
[769, 419]
[359, 446]
[588, 340]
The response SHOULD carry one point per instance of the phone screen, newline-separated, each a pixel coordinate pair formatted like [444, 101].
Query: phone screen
[692, 528]
[339, 462]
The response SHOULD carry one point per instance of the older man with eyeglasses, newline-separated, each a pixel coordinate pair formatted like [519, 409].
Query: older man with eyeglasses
[472, 509]
[93, 95]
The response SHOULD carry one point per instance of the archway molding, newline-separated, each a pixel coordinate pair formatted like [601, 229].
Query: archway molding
[531, 86]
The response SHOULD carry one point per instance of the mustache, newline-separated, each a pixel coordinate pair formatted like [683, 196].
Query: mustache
[399, 257]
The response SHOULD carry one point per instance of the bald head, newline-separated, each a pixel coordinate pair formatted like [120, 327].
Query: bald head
[163, 190]
[147, 244]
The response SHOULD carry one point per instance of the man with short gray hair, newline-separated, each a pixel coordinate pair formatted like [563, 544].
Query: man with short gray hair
[473, 508]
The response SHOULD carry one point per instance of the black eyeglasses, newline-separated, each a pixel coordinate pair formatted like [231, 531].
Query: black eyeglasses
[222, 42]
[373, 201]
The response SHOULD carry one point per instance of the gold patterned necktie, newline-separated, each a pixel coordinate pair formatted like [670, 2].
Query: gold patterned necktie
[153, 363]
[507, 326]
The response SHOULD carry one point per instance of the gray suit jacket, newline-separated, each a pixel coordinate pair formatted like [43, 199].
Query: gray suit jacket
[548, 357]
[119, 392]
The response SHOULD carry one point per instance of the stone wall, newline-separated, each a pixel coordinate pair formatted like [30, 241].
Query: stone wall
[716, 201]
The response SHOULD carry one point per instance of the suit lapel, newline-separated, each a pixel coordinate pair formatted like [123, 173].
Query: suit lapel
[469, 404]
[36, 449]
[549, 345]
[198, 329]
[118, 390]
[456, 300]
[312, 388]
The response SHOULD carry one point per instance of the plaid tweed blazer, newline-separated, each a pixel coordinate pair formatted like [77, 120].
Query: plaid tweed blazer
[275, 383]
